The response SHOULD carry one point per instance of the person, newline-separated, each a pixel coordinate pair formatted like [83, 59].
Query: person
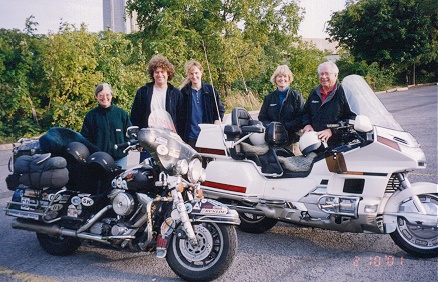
[105, 125]
[158, 94]
[326, 105]
[283, 105]
[201, 102]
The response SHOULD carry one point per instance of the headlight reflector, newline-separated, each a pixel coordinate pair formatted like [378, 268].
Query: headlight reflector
[195, 170]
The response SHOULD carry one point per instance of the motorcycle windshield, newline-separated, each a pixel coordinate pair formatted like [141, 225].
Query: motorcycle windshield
[363, 101]
[161, 140]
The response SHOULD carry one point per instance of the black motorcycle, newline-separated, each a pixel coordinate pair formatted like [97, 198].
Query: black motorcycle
[70, 193]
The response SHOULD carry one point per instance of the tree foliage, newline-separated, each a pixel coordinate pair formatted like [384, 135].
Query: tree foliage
[400, 32]
[238, 39]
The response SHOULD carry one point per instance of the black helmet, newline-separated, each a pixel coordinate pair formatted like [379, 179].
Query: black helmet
[78, 151]
[104, 160]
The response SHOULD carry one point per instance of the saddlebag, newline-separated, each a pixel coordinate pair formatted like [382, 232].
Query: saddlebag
[41, 171]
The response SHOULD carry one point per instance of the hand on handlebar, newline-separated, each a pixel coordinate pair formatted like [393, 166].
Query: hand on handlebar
[325, 134]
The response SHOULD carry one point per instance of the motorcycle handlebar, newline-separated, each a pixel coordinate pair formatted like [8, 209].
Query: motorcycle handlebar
[125, 145]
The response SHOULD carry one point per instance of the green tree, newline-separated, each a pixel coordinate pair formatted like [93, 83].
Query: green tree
[239, 38]
[20, 74]
[69, 65]
[122, 65]
[400, 32]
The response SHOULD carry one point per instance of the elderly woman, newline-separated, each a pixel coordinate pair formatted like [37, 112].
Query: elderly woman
[201, 102]
[283, 105]
[105, 125]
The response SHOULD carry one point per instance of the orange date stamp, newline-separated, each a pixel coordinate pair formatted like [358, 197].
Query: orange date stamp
[378, 261]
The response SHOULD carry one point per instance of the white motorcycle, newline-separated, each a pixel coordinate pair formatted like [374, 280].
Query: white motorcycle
[360, 186]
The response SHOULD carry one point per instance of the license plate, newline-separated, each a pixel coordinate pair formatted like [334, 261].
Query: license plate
[23, 214]
[25, 200]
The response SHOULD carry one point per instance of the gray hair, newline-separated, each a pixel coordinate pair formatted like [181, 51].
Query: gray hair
[101, 86]
[331, 65]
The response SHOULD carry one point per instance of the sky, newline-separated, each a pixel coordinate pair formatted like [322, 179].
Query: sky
[50, 13]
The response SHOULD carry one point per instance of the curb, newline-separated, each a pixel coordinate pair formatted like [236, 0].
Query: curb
[405, 88]
[4, 147]
[393, 90]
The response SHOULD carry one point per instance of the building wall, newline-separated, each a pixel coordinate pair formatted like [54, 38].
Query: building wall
[114, 17]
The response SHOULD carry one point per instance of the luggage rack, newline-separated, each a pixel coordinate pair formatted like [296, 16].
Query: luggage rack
[37, 215]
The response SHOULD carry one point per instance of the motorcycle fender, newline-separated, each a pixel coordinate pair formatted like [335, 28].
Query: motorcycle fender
[209, 210]
[392, 206]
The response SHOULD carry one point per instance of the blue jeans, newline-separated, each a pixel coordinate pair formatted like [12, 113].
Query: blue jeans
[144, 155]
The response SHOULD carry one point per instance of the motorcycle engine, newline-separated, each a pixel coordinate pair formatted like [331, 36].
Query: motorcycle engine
[123, 204]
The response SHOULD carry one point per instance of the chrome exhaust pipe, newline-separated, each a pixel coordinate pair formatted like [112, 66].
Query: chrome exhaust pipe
[54, 230]
[243, 209]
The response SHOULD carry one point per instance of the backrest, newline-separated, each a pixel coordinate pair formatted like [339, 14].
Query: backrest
[276, 134]
[240, 117]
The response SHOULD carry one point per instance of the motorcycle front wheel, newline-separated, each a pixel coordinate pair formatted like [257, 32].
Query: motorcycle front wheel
[253, 223]
[413, 238]
[58, 245]
[216, 249]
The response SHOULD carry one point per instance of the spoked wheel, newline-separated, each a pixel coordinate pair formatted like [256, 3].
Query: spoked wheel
[58, 246]
[415, 239]
[217, 246]
[253, 223]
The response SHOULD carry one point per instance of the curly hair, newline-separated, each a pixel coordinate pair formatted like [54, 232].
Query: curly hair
[159, 61]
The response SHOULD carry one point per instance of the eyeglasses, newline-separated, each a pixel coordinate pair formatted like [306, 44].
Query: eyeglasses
[325, 73]
[107, 95]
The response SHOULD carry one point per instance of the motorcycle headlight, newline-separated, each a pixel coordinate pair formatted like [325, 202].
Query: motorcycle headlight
[196, 171]
[182, 167]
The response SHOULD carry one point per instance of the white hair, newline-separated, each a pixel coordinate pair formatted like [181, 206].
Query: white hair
[331, 65]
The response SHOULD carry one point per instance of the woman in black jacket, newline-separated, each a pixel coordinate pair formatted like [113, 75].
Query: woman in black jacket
[284, 105]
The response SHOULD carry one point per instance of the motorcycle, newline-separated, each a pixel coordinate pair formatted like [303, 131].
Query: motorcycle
[359, 186]
[68, 197]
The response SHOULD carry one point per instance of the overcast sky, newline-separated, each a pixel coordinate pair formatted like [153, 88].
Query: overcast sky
[49, 14]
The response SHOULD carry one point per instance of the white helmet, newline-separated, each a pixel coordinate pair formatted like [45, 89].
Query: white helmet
[309, 142]
[257, 138]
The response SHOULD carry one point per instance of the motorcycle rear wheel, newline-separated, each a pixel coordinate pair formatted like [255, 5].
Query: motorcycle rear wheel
[414, 239]
[216, 249]
[58, 246]
[252, 223]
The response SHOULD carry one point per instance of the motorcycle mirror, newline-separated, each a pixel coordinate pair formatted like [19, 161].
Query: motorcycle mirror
[362, 124]
[132, 130]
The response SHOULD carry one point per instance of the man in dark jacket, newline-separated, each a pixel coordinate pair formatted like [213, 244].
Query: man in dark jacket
[106, 125]
[326, 105]
[158, 94]
[201, 102]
